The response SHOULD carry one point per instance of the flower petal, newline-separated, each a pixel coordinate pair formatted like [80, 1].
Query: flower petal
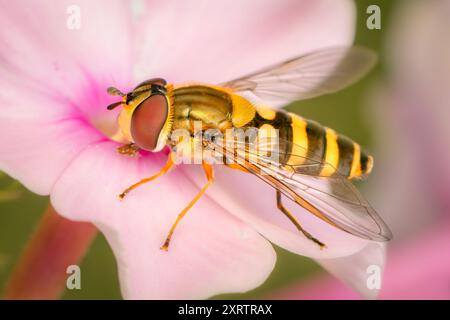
[211, 252]
[44, 50]
[54, 80]
[216, 41]
[37, 152]
[356, 270]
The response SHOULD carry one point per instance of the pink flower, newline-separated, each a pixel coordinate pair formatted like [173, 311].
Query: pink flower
[55, 134]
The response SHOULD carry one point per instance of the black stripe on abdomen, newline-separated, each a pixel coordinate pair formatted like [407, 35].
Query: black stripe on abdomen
[317, 146]
[346, 150]
[363, 162]
[282, 122]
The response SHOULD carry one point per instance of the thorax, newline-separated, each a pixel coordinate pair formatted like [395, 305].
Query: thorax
[210, 107]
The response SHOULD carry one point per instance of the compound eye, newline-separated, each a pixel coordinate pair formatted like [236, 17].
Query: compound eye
[148, 120]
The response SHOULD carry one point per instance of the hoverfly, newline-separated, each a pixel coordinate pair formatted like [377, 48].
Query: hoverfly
[315, 164]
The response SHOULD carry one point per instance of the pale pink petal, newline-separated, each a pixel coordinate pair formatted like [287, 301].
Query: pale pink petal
[53, 82]
[37, 152]
[356, 270]
[212, 252]
[41, 53]
[215, 41]
[254, 202]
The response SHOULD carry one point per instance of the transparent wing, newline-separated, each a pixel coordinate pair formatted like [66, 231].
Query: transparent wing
[333, 199]
[325, 71]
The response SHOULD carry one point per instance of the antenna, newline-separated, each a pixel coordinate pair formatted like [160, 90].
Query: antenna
[114, 105]
[114, 92]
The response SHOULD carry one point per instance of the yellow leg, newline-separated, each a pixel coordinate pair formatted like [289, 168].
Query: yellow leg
[169, 164]
[210, 176]
[296, 223]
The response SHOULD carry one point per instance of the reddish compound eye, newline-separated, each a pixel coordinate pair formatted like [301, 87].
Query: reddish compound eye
[148, 120]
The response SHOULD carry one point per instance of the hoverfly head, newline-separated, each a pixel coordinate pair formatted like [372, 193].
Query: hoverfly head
[146, 117]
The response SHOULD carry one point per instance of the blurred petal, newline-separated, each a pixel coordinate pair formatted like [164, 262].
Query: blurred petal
[425, 260]
[356, 269]
[420, 267]
[211, 252]
[419, 50]
[254, 202]
[412, 114]
[398, 190]
[216, 41]
[416, 107]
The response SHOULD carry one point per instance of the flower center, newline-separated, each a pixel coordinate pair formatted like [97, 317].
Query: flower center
[106, 124]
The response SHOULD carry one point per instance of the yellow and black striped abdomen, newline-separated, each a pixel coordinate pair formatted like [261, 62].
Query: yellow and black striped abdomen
[318, 143]
[313, 143]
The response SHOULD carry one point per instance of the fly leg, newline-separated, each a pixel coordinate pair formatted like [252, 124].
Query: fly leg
[169, 164]
[129, 149]
[208, 169]
[296, 223]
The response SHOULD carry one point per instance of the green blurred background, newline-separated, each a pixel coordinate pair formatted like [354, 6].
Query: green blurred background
[345, 111]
